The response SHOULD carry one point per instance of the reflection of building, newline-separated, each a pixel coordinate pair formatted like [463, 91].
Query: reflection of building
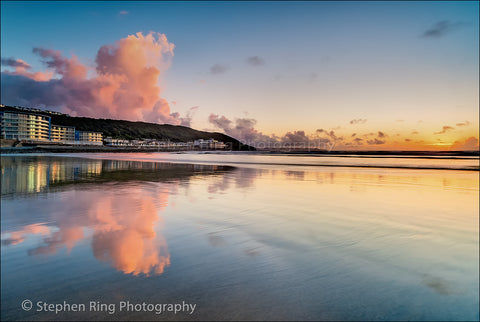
[33, 174]
[62, 133]
[30, 176]
[25, 126]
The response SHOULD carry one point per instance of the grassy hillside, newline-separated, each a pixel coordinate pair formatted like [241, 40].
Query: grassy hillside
[138, 130]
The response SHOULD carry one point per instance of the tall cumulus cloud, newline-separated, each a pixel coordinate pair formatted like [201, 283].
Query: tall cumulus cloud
[123, 83]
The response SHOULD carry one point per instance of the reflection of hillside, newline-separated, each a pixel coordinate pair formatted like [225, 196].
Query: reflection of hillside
[33, 174]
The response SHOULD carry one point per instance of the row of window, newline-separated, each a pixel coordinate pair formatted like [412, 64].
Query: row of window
[28, 126]
[24, 124]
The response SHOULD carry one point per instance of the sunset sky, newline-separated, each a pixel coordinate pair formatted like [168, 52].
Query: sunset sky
[365, 75]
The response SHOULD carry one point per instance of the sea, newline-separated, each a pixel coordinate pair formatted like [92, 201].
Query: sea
[239, 236]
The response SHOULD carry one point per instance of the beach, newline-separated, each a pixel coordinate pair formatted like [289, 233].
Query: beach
[243, 237]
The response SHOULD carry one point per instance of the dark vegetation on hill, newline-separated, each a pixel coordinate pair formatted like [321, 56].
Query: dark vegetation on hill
[120, 129]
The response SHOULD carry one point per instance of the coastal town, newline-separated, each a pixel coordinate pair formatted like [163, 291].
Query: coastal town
[32, 126]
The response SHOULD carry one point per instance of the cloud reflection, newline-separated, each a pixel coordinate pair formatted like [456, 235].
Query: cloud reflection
[18, 237]
[123, 228]
[124, 223]
[127, 238]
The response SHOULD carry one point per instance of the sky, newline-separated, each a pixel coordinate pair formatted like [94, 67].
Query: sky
[353, 75]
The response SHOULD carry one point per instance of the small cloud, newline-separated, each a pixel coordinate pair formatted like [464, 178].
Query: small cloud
[400, 120]
[415, 132]
[354, 134]
[255, 61]
[202, 81]
[463, 124]
[381, 134]
[12, 62]
[296, 136]
[445, 129]
[331, 134]
[221, 122]
[218, 69]
[312, 77]
[358, 141]
[376, 141]
[123, 13]
[441, 28]
[358, 121]
[408, 140]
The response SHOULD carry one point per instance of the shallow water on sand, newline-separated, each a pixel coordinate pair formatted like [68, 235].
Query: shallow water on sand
[255, 241]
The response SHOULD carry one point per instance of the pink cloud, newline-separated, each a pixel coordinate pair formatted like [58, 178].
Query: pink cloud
[123, 85]
[15, 63]
[242, 129]
[295, 137]
[22, 68]
[36, 76]
[68, 68]
[471, 144]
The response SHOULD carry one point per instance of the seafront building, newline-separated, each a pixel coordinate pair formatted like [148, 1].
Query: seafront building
[200, 144]
[29, 126]
[62, 133]
[32, 127]
[95, 138]
[25, 126]
[209, 144]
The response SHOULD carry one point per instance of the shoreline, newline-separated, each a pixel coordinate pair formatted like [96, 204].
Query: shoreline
[243, 159]
[110, 149]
